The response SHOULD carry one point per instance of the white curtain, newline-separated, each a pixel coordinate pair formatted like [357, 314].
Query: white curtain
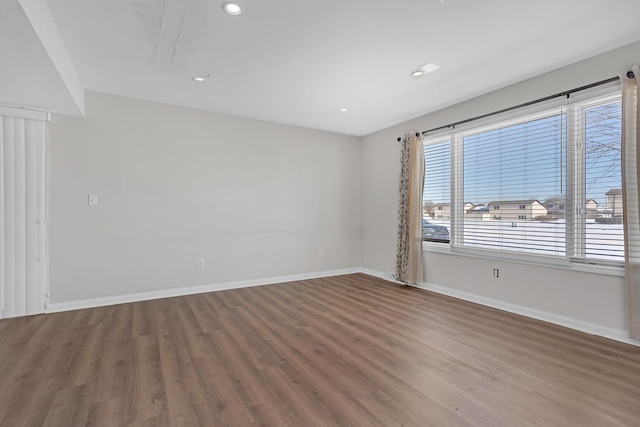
[630, 200]
[22, 212]
[409, 267]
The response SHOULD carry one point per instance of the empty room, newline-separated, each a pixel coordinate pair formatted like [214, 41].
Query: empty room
[319, 213]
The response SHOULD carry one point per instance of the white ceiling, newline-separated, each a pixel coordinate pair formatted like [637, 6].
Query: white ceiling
[299, 61]
[28, 75]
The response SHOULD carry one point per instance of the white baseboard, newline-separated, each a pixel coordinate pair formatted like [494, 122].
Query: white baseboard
[175, 292]
[568, 322]
[385, 276]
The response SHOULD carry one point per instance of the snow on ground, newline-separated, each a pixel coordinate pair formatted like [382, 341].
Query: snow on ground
[603, 241]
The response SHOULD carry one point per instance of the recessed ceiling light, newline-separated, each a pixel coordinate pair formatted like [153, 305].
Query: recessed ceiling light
[200, 77]
[417, 73]
[343, 110]
[232, 8]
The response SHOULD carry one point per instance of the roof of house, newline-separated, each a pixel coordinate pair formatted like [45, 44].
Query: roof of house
[614, 192]
[520, 202]
[555, 199]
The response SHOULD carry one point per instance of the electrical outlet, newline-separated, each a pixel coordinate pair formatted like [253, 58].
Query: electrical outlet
[321, 254]
[201, 263]
[496, 273]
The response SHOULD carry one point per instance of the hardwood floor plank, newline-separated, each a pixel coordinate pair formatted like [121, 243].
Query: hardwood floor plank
[108, 413]
[147, 395]
[226, 404]
[71, 407]
[180, 382]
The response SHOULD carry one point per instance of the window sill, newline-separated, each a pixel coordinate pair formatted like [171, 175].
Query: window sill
[541, 261]
[441, 247]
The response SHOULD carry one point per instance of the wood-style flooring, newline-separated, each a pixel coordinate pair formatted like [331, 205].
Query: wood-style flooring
[342, 351]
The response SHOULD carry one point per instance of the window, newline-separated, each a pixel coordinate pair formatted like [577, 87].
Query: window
[437, 190]
[562, 163]
[601, 171]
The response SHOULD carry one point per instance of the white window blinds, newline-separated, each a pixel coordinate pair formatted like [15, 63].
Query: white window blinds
[513, 169]
[22, 205]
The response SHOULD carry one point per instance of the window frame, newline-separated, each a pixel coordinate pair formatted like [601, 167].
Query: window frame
[577, 103]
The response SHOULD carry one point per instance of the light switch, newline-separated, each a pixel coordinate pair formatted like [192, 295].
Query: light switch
[93, 200]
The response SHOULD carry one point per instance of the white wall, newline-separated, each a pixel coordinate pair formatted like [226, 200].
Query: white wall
[252, 198]
[589, 298]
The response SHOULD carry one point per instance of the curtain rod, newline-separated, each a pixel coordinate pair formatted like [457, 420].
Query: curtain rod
[526, 104]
